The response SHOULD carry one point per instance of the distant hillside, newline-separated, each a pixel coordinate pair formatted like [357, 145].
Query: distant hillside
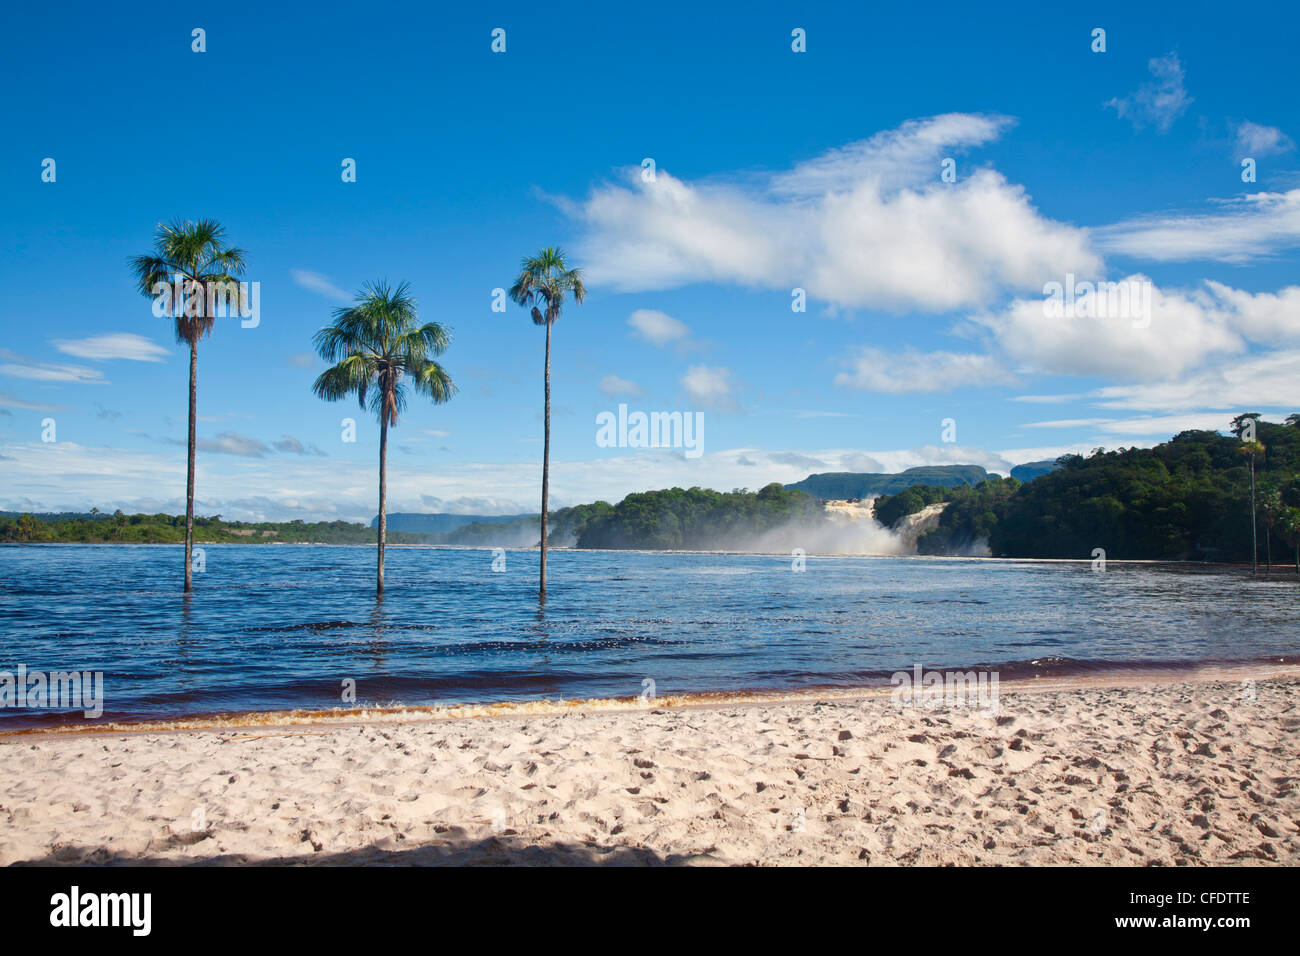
[412, 523]
[839, 485]
[1033, 469]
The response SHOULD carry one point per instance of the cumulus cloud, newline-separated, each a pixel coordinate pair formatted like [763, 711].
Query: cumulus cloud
[910, 371]
[1161, 100]
[1185, 330]
[116, 345]
[657, 328]
[709, 386]
[867, 224]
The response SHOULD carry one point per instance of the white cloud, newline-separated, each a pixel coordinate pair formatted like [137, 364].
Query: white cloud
[709, 386]
[1187, 331]
[1184, 330]
[1162, 427]
[613, 386]
[892, 158]
[1048, 399]
[1157, 103]
[315, 282]
[657, 328]
[911, 371]
[1255, 225]
[1255, 141]
[869, 224]
[1263, 381]
[13, 401]
[1262, 316]
[116, 345]
[19, 366]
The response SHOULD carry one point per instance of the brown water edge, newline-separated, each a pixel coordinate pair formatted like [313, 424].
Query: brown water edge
[1110, 678]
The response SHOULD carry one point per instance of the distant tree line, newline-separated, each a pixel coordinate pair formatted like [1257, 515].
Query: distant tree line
[119, 528]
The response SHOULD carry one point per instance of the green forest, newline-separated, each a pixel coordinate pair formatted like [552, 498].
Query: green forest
[1185, 499]
[696, 518]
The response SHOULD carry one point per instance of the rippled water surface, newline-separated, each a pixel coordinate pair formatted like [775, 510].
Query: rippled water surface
[273, 627]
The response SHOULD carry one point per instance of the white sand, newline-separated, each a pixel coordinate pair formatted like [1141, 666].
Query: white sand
[1105, 772]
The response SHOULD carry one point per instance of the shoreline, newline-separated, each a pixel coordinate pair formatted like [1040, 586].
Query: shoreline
[1110, 674]
[1121, 771]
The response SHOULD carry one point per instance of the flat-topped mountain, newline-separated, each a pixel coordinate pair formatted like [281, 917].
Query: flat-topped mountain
[845, 485]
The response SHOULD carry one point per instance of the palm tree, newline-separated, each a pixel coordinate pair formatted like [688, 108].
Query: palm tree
[375, 344]
[1270, 510]
[1252, 450]
[544, 281]
[188, 260]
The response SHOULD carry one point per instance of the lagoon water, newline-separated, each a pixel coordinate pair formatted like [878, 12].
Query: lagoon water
[278, 627]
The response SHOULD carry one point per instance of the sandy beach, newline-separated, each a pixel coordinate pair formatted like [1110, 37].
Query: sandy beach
[1198, 768]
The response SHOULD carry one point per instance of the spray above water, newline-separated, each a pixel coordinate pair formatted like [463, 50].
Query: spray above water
[845, 527]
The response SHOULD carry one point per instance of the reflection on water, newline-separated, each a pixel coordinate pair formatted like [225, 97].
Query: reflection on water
[275, 627]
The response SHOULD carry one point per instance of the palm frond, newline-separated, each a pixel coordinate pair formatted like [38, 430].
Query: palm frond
[380, 341]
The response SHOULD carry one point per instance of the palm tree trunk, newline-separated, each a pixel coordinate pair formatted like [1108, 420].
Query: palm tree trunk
[1254, 539]
[189, 474]
[546, 462]
[383, 493]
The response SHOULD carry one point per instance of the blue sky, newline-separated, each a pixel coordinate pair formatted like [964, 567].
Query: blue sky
[773, 170]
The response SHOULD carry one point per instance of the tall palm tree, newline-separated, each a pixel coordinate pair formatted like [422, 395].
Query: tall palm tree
[543, 283]
[1253, 450]
[1270, 510]
[1244, 427]
[189, 259]
[375, 344]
